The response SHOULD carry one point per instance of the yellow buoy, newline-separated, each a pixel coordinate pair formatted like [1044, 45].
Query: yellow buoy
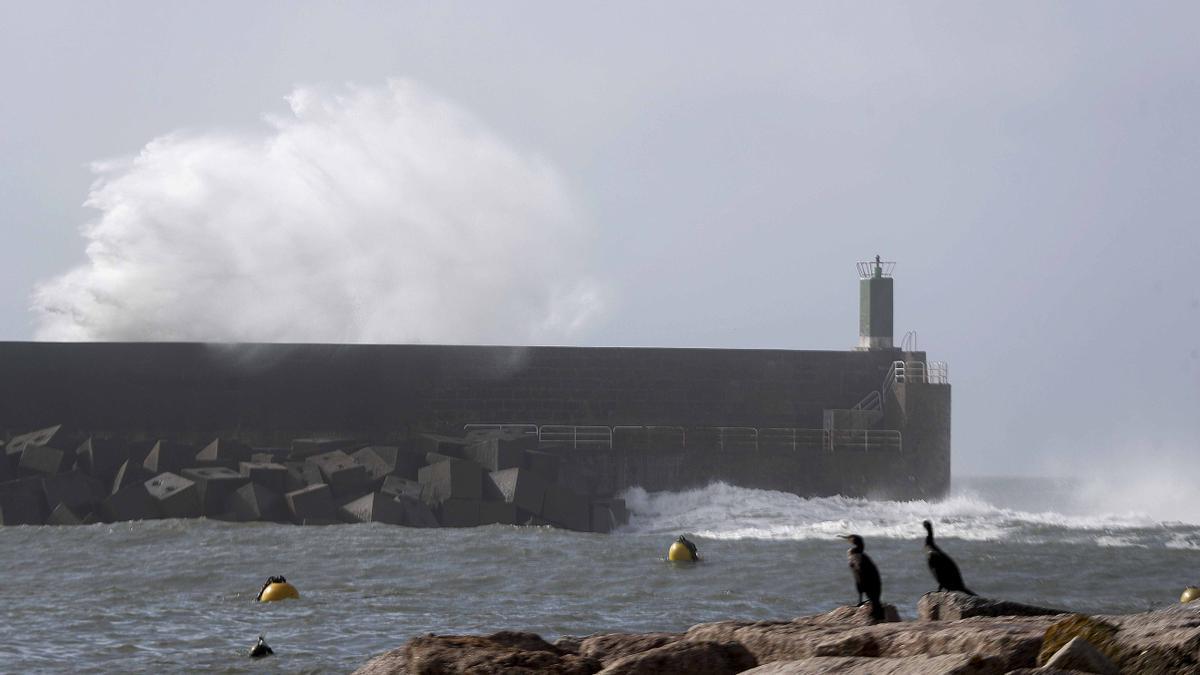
[278, 591]
[682, 550]
[1189, 594]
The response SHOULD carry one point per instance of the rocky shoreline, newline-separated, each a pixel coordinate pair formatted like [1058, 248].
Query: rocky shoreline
[953, 634]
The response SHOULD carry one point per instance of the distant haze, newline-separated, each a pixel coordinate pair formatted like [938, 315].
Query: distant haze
[675, 174]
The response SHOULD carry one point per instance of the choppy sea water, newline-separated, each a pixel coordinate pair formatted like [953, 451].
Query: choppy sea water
[174, 596]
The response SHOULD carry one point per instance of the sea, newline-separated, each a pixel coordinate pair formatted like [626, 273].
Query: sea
[178, 595]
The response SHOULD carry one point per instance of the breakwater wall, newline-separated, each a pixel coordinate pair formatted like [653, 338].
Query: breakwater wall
[267, 395]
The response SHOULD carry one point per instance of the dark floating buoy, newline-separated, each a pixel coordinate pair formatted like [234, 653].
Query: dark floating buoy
[261, 649]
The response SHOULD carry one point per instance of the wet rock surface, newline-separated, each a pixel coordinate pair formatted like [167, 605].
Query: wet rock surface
[840, 641]
[503, 652]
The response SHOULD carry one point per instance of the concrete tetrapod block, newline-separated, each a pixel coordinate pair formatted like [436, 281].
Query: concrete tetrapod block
[435, 457]
[376, 507]
[390, 460]
[43, 460]
[177, 496]
[169, 457]
[101, 458]
[458, 513]
[342, 500]
[498, 513]
[313, 503]
[57, 436]
[214, 485]
[565, 508]
[130, 502]
[309, 474]
[75, 489]
[19, 508]
[130, 473]
[295, 475]
[303, 448]
[140, 449]
[447, 445]
[408, 461]
[608, 515]
[223, 452]
[8, 467]
[451, 479]
[32, 492]
[377, 467]
[545, 463]
[340, 472]
[401, 487]
[525, 488]
[276, 455]
[256, 502]
[267, 474]
[495, 452]
[417, 513]
[65, 515]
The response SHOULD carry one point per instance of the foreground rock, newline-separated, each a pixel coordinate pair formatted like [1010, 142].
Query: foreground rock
[1162, 641]
[842, 641]
[951, 664]
[503, 652]
[686, 656]
[1079, 654]
[951, 605]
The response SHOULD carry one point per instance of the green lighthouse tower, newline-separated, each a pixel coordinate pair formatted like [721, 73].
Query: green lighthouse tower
[875, 305]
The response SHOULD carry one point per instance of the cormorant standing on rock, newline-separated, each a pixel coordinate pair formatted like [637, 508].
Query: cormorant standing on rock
[943, 568]
[261, 649]
[866, 575]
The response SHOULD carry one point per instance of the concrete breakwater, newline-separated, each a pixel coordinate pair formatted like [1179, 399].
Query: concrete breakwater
[954, 634]
[54, 476]
[855, 423]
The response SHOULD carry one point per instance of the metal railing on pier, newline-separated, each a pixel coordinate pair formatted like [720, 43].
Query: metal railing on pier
[864, 440]
[917, 372]
[730, 439]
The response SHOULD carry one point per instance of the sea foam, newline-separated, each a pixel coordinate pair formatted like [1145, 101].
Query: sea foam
[722, 511]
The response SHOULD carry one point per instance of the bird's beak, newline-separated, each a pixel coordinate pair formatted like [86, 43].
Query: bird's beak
[844, 536]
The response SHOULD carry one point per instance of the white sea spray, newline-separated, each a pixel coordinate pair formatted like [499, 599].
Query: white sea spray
[722, 511]
[367, 214]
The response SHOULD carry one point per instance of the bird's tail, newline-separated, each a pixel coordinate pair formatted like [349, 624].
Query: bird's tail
[876, 609]
[969, 591]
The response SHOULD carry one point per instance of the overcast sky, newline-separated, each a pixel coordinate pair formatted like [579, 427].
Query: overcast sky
[685, 175]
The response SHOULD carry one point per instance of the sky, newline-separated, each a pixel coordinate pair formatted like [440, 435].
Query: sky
[677, 174]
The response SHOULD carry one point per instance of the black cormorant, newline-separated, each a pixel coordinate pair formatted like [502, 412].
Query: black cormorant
[866, 575]
[943, 568]
[690, 546]
[261, 649]
[268, 582]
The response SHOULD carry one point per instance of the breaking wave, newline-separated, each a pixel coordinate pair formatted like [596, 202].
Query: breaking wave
[366, 214]
[722, 511]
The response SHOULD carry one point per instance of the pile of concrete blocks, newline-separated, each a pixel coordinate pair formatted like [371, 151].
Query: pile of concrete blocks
[54, 476]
